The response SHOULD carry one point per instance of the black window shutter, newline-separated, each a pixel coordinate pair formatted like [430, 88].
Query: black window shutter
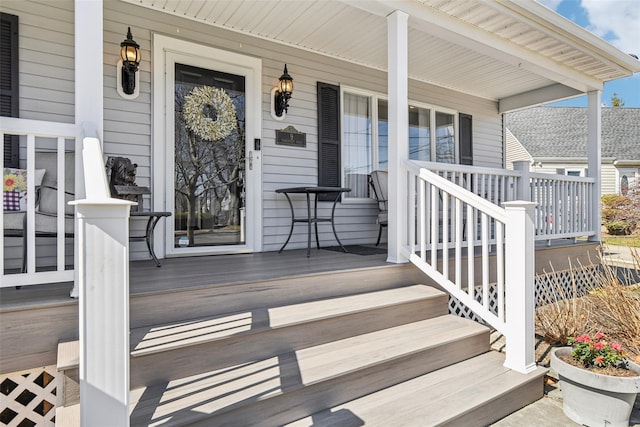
[328, 137]
[9, 82]
[466, 139]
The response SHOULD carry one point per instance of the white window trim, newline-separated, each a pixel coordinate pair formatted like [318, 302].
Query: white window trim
[373, 97]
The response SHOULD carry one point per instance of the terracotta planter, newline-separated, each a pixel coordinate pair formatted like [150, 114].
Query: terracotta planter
[594, 399]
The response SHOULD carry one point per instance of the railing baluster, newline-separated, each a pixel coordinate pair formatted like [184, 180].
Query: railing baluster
[411, 212]
[458, 251]
[31, 205]
[500, 268]
[470, 251]
[60, 219]
[423, 220]
[445, 234]
[485, 260]
[434, 228]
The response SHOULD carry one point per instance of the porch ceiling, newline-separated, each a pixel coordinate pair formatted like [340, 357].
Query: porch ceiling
[514, 51]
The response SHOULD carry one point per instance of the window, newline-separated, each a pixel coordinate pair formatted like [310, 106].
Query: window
[362, 143]
[365, 137]
[419, 133]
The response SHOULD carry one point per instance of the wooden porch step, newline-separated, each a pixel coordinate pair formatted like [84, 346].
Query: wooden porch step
[174, 350]
[475, 392]
[276, 390]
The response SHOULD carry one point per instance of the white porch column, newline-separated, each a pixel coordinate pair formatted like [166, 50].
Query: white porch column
[520, 293]
[594, 153]
[397, 88]
[88, 90]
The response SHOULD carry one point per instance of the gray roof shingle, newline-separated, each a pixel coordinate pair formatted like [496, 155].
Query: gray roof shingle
[562, 131]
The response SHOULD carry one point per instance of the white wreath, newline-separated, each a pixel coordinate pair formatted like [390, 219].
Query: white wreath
[203, 126]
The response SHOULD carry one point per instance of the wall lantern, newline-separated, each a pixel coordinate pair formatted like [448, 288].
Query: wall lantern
[128, 77]
[280, 96]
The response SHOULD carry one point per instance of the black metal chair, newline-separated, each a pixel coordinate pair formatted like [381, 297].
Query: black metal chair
[379, 189]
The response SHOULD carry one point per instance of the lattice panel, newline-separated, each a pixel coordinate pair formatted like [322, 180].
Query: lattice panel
[549, 287]
[29, 398]
[552, 287]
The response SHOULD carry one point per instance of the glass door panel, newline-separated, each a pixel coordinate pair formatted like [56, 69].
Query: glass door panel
[209, 157]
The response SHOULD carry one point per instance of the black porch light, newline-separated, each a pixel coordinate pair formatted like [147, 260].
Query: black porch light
[283, 94]
[130, 54]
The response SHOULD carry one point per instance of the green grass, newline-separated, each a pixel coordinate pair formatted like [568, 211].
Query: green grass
[630, 241]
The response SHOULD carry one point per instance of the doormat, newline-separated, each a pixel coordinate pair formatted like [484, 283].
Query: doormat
[359, 249]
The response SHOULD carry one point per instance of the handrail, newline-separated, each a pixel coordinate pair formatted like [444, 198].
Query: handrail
[446, 222]
[461, 193]
[37, 128]
[453, 167]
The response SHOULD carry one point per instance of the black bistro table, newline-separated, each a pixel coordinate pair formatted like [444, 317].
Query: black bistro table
[153, 218]
[313, 219]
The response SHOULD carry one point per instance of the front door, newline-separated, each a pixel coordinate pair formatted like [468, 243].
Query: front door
[211, 171]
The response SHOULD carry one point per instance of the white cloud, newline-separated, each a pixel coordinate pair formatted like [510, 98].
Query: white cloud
[618, 17]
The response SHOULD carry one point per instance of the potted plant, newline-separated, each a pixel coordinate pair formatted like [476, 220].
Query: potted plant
[599, 385]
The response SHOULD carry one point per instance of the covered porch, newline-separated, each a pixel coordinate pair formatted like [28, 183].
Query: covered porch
[462, 64]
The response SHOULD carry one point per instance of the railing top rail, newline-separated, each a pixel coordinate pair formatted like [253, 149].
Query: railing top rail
[450, 167]
[564, 178]
[42, 128]
[464, 195]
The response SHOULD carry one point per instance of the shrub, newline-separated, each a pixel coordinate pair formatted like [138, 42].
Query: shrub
[619, 228]
[614, 201]
[609, 214]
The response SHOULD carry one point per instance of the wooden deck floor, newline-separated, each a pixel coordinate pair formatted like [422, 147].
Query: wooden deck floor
[203, 271]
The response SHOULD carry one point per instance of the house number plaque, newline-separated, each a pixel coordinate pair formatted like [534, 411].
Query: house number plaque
[292, 137]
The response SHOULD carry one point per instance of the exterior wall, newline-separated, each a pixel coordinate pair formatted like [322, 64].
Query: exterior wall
[47, 58]
[46, 55]
[514, 150]
[46, 87]
[608, 172]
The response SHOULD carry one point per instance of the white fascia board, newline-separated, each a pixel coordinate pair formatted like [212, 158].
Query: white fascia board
[553, 23]
[552, 93]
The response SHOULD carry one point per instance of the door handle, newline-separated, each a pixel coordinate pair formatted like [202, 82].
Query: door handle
[250, 160]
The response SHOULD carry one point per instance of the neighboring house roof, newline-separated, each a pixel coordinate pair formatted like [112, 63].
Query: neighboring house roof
[561, 132]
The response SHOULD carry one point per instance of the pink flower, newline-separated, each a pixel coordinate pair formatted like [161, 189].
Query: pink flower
[599, 335]
[598, 346]
[583, 338]
[599, 360]
[616, 346]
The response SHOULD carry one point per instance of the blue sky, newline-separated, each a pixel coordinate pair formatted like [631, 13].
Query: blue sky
[616, 21]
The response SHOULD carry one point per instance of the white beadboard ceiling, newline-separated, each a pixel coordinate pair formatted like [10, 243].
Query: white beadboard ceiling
[495, 49]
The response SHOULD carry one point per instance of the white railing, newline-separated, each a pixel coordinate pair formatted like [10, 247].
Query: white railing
[472, 248]
[563, 205]
[563, 202]
[50, 137]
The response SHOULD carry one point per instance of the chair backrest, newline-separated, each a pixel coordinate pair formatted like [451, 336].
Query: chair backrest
[48, 192]
[379, 181]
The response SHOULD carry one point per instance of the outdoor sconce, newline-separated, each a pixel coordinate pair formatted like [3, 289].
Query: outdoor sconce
[280, 96]
[128, 77]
